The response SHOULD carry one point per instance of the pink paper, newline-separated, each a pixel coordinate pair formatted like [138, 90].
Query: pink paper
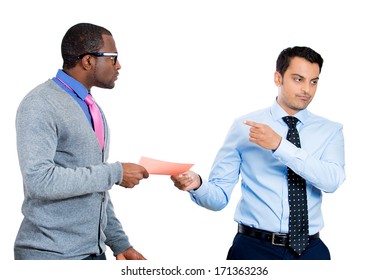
[160, 167]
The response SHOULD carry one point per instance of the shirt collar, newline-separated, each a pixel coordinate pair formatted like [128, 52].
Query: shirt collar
[77, 87]
[278, 113]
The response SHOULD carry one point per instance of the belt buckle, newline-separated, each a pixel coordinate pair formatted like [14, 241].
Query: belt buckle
[274, 235]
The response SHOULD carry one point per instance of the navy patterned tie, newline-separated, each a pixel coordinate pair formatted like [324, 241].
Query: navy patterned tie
[298, 220]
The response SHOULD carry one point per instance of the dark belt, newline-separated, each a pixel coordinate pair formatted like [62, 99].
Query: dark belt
[278, 239]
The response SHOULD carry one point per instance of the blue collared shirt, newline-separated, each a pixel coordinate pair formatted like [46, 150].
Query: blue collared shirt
[78, 91]
[264, 190]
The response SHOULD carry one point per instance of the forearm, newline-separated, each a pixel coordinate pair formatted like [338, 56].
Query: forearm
[210, 196]
[49, 181]
[326, 173]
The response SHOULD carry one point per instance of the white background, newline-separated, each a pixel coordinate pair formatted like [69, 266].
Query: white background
[188, 69]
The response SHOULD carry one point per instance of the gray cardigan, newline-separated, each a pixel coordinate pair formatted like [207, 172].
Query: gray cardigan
[67, 210]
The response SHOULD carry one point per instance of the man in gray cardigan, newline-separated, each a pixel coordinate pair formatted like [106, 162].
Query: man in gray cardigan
[67, 210]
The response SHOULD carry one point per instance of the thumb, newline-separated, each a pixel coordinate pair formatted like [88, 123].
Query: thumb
[120, 257]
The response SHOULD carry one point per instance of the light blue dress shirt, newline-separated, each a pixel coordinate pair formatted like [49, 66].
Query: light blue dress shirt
[264, 199]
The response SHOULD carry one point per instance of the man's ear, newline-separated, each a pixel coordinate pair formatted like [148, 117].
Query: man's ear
[86, 62]
[278, 79]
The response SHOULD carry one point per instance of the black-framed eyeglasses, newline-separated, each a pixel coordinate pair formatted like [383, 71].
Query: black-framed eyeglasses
[112, 55]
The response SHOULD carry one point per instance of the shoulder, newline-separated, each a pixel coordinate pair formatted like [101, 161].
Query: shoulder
[320, 122]
[42, 102]
[46, 91]
[257, 116]
[38, 92]
[239, 128]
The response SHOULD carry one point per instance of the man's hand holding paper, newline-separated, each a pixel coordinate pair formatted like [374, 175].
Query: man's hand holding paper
[187, 181]
[132, 174]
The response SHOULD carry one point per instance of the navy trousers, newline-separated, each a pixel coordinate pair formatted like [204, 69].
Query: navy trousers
[249, 248]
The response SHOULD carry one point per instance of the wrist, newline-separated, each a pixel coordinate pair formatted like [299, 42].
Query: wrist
[199, 183]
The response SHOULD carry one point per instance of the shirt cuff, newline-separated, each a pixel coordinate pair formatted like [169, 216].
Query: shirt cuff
[202, 190]
[288, 153]
[117, 172]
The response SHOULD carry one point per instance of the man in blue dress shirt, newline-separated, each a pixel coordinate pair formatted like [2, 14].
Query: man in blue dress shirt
[257, 149]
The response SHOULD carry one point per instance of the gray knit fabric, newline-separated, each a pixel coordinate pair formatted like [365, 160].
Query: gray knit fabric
[67, 210]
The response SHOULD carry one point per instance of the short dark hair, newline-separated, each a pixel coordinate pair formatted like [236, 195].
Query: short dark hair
[80, 39]
[307, 53]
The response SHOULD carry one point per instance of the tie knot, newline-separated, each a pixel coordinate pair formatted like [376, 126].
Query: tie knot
[89, 99]
[290, 121]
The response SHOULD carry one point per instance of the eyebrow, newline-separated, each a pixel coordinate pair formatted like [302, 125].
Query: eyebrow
[316, 78]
